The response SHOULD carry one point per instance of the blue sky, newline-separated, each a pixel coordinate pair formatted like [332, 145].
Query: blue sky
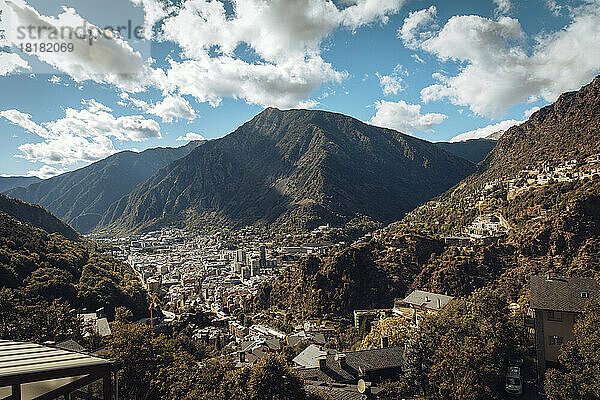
[432, 69]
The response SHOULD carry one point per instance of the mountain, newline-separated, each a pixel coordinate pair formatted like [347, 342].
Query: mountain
[554, 226]
[10, 182]
[474, 150]
[82, 196]
[567, 129]
[36, 216]
[293, 170]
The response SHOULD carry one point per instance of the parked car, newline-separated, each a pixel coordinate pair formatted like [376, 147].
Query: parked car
[514, 383]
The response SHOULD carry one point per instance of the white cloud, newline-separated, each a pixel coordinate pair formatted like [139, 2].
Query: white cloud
[189, 137]
[282, 85]
[485, 131]
[154, 12]
[46, 172]
[82, 135]
[496, 70]
[97, 121]
[285, 36]
[24, 120]
[108, 59]
[417, 27]
[10, 62]
[366, 11]
[529, 112]
[404, 117]
[173, 108]
[554, 7]
[67, 149]
[392, 84]
[502, 7]
[417, 58]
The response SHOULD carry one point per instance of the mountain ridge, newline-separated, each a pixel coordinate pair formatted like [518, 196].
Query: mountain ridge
[293, 168]
[474, 150]
[36, 216]
[82, 196]
[10, 182]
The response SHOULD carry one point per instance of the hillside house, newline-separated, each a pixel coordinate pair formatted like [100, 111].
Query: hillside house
[555, 304]
[321, 364]
[420, 303]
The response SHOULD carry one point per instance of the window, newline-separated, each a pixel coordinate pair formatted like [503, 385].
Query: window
[555, 340]
[585, 295]
[554, 316]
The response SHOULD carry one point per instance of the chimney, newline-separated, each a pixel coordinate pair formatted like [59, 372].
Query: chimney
[322, 362]
[439, 303]
[385, 342]
[341, 358]
[242, 357]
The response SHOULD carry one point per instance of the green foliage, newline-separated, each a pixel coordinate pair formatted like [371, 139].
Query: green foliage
[463, 352]
[580, 358]
[46, 275]
[39, 321]
[396, 329]
[338, 285]
[178, 368]
[36, 216]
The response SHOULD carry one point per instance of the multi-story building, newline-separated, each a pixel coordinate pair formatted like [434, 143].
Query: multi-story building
[555, 304]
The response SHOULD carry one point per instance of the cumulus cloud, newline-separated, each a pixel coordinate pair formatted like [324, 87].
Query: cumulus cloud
[554, 7]
[67, 149]
[497, 71]
[154, 12]
[417, 27]
[173, 108]
[392, 84]
[109, 59]
[23, 120]
[10, 62]
[47, 171]
[97, 120]
[486, 131]
[502, 7]
[285, 36]
[282, 38]
[190, 136]
[81, 135]
[282, 85]
[404, 117]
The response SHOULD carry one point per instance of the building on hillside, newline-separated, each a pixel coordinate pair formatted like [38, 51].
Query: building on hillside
[321, 364]
[555, 304]
[421, 303]
[365, 319]
[95, 324]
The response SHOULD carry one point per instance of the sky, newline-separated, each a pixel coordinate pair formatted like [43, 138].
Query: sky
[82, 79]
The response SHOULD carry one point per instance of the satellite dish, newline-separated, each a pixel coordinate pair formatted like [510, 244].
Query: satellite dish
[362, 385]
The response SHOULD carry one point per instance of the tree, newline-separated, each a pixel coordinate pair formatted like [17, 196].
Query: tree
[272, 379]
[396, 329]
[464, 349]
[139, 356]
[123, 315]
[580, 358]
[51, 283]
